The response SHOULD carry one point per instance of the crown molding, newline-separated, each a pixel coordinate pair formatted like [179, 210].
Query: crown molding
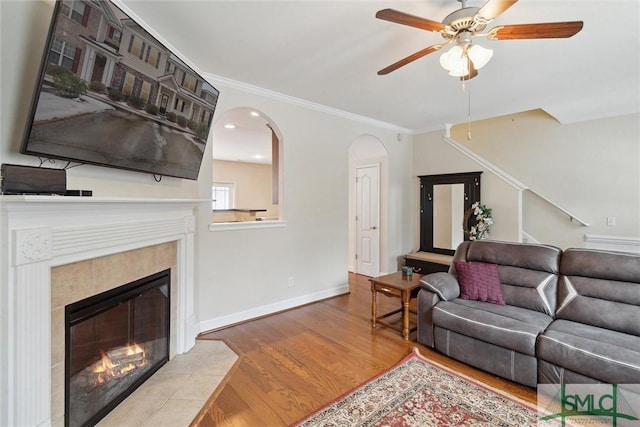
[257, 90]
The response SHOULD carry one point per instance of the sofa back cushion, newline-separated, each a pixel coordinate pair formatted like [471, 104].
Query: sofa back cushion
[528, 273]
[600, 288]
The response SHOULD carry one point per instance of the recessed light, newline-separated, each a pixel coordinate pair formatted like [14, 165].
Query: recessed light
[255, 114]
[229, 126]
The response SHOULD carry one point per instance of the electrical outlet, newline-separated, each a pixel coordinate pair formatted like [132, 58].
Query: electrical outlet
[611, 221]
[291, 282]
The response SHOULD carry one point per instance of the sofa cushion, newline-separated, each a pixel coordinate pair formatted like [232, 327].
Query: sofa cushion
[479, 281]
[523, 255]
[503, 325]
[599, 264]
[601, 289]
[606, 355]
[528, 273]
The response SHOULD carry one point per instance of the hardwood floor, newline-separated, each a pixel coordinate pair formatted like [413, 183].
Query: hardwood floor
[293, 362]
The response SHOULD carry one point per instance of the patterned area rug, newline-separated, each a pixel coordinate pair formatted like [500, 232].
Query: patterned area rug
[419, 392]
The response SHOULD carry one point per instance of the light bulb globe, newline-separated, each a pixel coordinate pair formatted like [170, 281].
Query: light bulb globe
[461, 69]
[479, 55]
[451, 60]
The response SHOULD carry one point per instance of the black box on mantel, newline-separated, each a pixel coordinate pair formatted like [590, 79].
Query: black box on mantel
[18, 179]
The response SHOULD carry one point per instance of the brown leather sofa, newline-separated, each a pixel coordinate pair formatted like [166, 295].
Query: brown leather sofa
[570, 316]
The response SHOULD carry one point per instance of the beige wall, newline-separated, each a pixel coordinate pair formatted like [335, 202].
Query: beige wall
[591, 169]
[433, 156]
[252, 183]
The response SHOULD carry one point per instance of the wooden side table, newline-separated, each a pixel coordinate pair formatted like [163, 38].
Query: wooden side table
[395, 285]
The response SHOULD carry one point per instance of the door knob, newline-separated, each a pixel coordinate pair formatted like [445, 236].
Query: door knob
[374, 228]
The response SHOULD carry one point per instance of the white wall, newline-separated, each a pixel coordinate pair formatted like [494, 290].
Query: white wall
[592, 169]
[313, 247]
[239, 273]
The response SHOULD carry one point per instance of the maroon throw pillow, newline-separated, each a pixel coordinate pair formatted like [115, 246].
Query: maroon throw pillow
[468, 286]
[479, 281]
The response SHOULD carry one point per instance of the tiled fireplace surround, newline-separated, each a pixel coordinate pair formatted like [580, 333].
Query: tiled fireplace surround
[64, 249]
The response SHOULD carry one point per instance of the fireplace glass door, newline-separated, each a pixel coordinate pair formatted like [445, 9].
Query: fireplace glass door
[114, 342]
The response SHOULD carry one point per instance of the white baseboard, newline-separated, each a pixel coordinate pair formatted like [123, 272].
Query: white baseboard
[231, 319]
[613, 243]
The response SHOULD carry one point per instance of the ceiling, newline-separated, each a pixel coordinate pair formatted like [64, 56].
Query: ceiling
[328, 53]
[248, 141]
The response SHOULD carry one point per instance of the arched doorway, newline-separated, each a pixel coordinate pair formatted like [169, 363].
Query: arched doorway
[368, 202]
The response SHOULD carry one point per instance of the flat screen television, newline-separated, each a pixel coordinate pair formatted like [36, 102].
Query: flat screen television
[110, 94]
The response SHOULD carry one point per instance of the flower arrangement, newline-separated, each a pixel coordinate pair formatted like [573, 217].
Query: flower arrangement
[483, 221]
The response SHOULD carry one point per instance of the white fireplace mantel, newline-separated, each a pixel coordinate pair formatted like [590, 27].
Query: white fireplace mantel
[41, 232]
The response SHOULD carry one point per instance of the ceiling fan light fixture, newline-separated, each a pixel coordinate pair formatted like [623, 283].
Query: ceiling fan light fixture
[479, 55]
[456, 60]
[461, 69]
[464, 24]
[452, 59]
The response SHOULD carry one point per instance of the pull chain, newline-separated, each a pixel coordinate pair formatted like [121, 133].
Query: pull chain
[469, 115]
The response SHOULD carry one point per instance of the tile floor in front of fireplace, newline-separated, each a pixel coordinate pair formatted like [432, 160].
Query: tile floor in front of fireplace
[174, 395]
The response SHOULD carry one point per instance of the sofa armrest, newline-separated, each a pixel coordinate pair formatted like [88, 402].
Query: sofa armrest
[426, 301]
[435, 287]
[445, 285]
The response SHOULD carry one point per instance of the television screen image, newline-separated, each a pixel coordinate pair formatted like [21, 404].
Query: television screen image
[110, 94]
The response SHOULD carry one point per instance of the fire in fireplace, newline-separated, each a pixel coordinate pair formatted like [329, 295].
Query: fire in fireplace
[114, 342]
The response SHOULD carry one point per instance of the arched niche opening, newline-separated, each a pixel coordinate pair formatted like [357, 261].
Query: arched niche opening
[247, 165]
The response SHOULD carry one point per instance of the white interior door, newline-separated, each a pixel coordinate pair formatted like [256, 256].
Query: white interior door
[368, 220]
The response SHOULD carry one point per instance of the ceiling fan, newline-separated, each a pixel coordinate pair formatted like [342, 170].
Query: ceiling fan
[460, 27]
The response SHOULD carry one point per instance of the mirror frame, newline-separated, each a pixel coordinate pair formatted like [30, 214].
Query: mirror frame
[471, 181]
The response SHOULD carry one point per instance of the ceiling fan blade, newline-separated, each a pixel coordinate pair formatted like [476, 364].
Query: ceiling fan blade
[409, 59]
[493, 8]
[548, 30]
[410, 20]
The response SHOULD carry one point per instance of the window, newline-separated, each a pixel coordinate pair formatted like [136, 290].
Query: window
[77, 11]
[222, 195]
[179, 75]
[74, 10]
[62, 53]
[189, 82]
[153, 56]
[129, 81]
[145, 91]
[114, 34]
[136, 46]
